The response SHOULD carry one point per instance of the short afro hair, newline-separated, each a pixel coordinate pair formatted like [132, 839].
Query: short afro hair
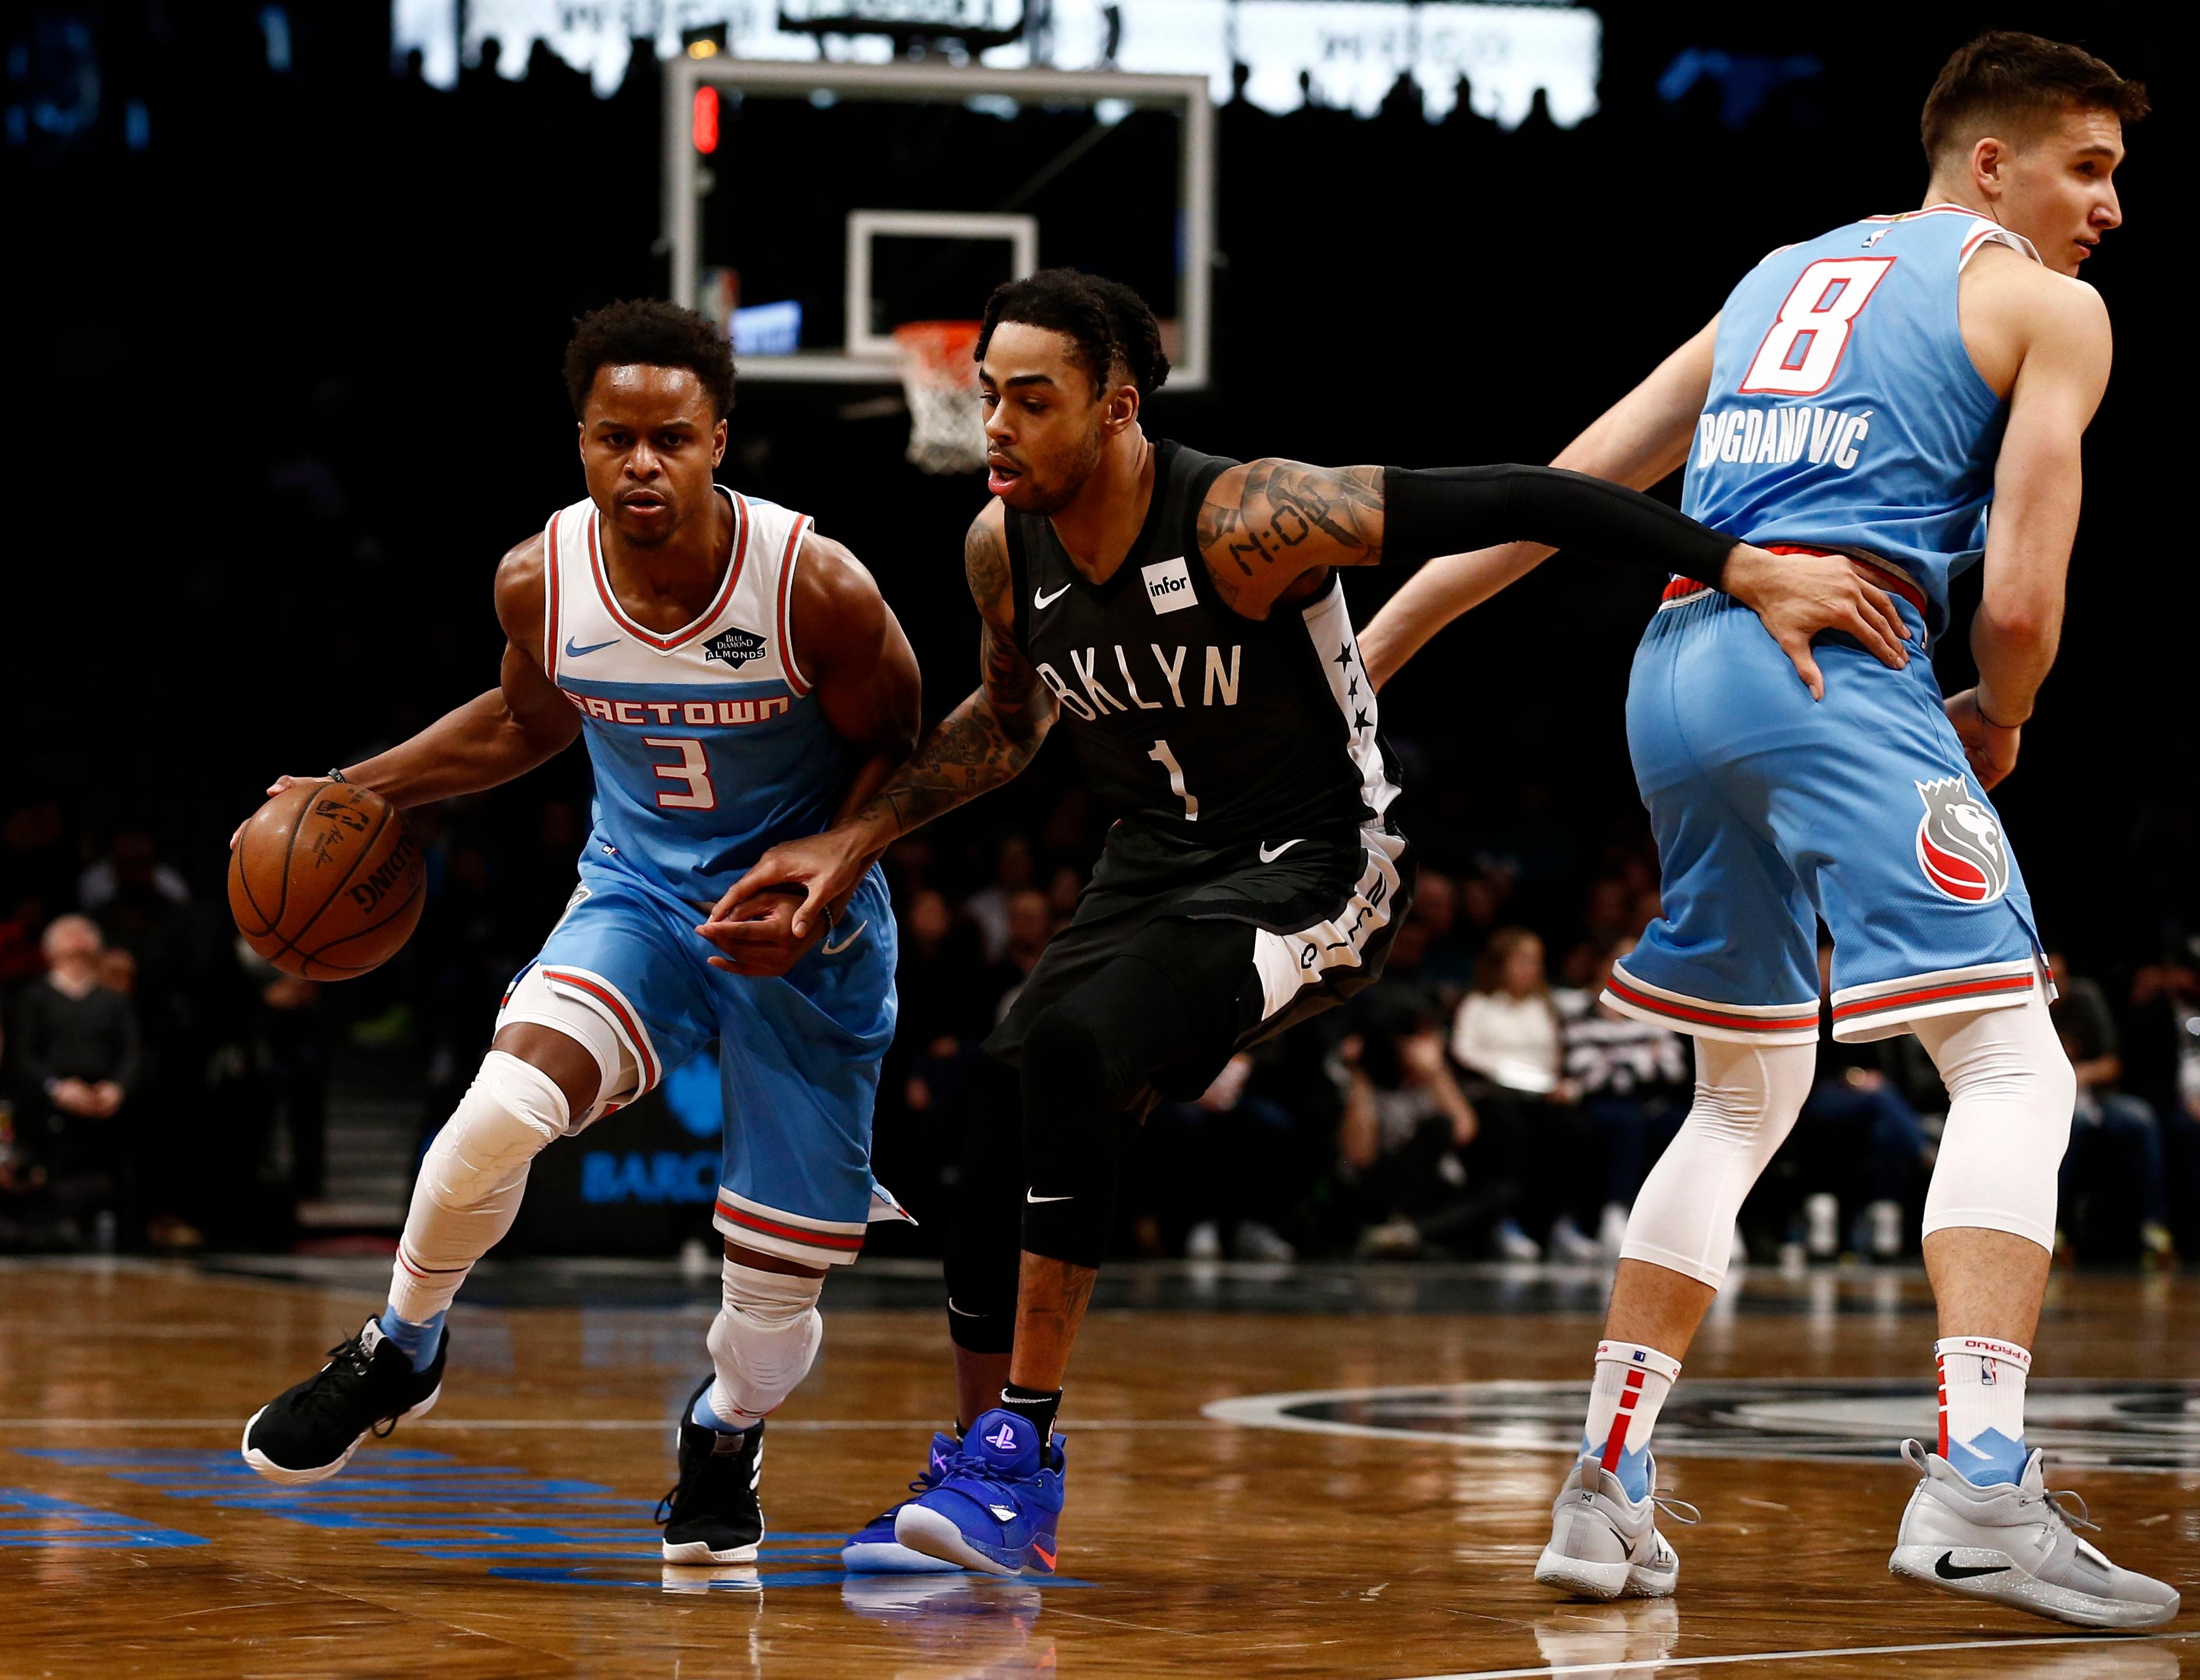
[1108, 324]
[649, 332]
[2017, 83]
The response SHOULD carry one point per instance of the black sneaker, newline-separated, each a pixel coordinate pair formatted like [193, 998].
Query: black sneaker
[713, 1515]
[309, 1432]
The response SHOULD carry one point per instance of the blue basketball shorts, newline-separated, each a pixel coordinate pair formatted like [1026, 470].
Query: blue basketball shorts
[1772, 811]
[797, 1055]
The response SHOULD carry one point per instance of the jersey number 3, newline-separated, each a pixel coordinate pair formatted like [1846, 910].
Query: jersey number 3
[1799, 354]
[693, 773]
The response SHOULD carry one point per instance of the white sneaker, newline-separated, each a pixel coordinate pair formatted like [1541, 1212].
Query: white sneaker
[1253, 1240]
[1203, 1241]
[1821, 1225]
[1511, 1242]
[1568, 1244]
[1883, 1218]
[1612, 1230]
[1605, 1545]
[2012, 1543]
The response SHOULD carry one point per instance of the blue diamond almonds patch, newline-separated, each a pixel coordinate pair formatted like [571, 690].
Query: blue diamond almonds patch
[735, 648]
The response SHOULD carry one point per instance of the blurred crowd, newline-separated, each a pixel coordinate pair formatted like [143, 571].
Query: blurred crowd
[163, 1087]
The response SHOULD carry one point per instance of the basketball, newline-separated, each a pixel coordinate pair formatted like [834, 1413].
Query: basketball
[326, 881]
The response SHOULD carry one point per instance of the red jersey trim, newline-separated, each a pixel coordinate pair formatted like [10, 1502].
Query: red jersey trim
[1707, 1015]
[681, 637]
[785, 612]
[550, 605]
[787, 1233]
[619, 1012]
[1994, 986]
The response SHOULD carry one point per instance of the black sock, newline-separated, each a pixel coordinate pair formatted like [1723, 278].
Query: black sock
[1038, 1406]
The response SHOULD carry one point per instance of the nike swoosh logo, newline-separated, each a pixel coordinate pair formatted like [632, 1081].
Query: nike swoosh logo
[1040, 598]
[1948, 1570]
[1035, 1198]
[1044, 1556]
[1268, 856]
[573, 653]
[832, 949]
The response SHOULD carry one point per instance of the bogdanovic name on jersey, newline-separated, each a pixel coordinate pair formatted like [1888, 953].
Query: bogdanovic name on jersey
[700, 713]
[1092, 698]
[1774, 437]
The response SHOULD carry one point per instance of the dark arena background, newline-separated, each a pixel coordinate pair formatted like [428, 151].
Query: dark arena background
[289, 286]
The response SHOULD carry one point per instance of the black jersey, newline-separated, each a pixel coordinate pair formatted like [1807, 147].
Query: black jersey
[1212, 726]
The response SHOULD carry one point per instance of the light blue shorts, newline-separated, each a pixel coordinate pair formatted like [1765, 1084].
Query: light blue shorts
[1772, 811]
[798, 1057]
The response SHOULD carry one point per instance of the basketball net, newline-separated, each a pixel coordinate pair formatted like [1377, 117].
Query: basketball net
[939, 376]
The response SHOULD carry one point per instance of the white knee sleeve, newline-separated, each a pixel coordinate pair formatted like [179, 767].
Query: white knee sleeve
[1747, 1096]
[763, 1341]
[2011, 1091]
[471, 1181]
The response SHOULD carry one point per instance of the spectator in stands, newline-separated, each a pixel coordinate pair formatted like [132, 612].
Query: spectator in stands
[1858, 1145]
[1506, 1035]
[988, 907]
[1031, 925]
[1228, 1179]
[76, 1057]
[2113, 1196]
[1448, 958]
[1404, 1136]
[1632, 1080]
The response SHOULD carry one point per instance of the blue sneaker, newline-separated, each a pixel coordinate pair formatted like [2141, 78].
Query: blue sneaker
[998, 1505]
[872, 1550]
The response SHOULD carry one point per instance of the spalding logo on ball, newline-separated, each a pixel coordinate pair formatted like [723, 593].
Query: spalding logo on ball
[1959, 843]
[326, 881]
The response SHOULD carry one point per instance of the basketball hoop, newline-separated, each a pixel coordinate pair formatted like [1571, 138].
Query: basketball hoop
[939, 376]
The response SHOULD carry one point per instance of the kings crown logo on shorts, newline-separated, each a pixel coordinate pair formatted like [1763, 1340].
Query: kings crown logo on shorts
[735, 648]
[1959, 844]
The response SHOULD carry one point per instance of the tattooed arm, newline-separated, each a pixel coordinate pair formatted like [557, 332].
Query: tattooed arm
[1269, 523]
[981, 744]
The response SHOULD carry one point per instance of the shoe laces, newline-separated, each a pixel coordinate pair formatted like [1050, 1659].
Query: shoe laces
[347, 1361]
[2052, 1498]
[1678, 1510]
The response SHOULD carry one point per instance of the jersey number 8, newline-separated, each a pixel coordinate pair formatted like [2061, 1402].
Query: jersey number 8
[1800, 354]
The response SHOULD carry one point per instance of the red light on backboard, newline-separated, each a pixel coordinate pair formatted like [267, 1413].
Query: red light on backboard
[706, 119]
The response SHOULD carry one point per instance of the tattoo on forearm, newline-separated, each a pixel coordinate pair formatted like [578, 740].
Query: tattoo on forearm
[1284, 514]
[993, 733]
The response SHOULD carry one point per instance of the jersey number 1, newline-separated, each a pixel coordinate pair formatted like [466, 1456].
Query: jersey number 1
[1167, 759]
[1799, 354]
[692, 772]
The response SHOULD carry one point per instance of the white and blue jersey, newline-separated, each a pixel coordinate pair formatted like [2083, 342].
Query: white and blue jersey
[708, 748]
[1845, 415]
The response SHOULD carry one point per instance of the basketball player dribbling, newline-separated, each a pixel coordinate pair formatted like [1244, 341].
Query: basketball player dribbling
[1865, 393]
[1178, 614]
[738, 681]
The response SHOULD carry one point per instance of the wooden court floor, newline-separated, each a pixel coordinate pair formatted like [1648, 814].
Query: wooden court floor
[1367, 1503]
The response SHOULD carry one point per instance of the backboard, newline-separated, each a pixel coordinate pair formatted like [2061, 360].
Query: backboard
[813, 208]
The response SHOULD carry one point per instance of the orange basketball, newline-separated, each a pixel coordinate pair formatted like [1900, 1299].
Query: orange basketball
[326, 881]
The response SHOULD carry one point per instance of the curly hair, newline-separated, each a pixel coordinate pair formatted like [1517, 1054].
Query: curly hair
[1108, 324]
[649, 332]
[2007, 77]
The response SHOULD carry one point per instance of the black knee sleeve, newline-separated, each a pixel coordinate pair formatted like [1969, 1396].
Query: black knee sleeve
[1072, 1129]
[984, 1240]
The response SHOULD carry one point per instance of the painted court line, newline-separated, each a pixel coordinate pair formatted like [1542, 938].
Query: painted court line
[1644, 1664]
[779, 1424]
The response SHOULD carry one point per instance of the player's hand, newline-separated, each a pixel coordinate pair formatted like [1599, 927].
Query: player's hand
[1991, 748]
[758, 937]
[826, 867]
[273, 787]
[1798, 595]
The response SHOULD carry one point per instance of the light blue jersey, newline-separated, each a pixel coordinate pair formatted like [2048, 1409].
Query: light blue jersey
[706, 745]
[1845, 412]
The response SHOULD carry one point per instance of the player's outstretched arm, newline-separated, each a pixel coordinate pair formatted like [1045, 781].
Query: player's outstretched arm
[982, 743]
[1266, 525]
[495, 736]
[1637, 442]
[849, 645]
[2038, 479]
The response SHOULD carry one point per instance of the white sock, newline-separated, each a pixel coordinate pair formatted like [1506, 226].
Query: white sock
[472, 1182]
[1632, 1382]
[1982, 1407]
[762, 1343]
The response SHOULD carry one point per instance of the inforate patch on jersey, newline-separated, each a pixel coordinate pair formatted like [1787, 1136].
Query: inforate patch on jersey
[1169, 585]
[1959, 844]
[735, 648]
